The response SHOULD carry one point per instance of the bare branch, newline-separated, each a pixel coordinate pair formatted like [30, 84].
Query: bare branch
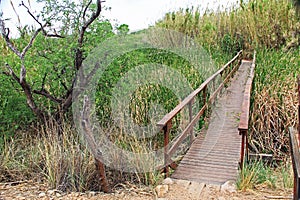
[46, 94]
[64, 85]
[78, 57]
[6, 38]
[42, 27]
[53, 35]
[93, 17]
[11, 73]
[27, 90]
[22, 74]
[85, 9]
[35, 19]
[43, 82]
[30, 43]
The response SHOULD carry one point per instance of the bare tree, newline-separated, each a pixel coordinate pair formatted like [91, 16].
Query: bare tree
[81, 22]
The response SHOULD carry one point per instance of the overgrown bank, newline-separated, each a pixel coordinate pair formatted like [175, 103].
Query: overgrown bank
[270, 27]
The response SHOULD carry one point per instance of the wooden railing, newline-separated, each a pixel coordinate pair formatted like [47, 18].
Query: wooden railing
[295, 154]
[244, 118]
[166, 123]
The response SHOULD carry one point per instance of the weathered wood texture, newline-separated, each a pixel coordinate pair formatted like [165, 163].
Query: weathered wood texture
[295, 154]
[245, 110]
[215, 157]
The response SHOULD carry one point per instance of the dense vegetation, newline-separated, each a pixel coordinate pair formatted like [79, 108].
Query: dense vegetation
[31, 149]
[272, 28]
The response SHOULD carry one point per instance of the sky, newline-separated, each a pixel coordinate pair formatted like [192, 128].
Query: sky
[138, 14]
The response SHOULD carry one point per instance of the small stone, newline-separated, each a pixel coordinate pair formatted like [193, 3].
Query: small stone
[195, 189]
[42, 194]
[228, 186]
[161, 190]
[183, 183]
[58, 195]
[168, 181]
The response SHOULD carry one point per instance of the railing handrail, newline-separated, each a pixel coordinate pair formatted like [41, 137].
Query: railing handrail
[244, 117]
[295, 147]
[295, 154]
[168, 117]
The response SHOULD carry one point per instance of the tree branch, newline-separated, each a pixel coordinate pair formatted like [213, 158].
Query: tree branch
[6, 38]
[27, 90]
[46, 94]
[42, 27]
[30, 43]
[11, 73]
[85, 9]
[78, 57]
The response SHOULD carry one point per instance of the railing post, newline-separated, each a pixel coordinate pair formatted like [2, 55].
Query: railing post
[204, 97]
[167, 128]
[244, 144]
[298, 110]
[192, 136]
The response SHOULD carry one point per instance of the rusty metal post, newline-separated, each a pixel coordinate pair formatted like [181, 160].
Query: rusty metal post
[101, 169]
[166, 147]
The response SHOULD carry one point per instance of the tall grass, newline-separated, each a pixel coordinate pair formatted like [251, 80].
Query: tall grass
[258, 174]
[270, 24]
[274, 101]
[272, 28]
[63, 161]
[254, 174]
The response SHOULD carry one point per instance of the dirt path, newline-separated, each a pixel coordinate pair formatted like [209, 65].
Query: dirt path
[32, 190]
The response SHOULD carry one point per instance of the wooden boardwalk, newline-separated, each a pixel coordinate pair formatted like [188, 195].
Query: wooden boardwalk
[214, 157]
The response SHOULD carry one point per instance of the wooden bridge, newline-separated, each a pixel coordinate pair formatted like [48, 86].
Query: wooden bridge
[215, 155]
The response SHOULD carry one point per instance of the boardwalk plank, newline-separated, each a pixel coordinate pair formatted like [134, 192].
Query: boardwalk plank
[214, 155]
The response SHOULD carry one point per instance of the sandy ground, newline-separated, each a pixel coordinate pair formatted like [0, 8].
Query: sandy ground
[33, 190]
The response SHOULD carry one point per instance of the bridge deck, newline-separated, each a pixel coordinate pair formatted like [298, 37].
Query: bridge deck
[214, 158]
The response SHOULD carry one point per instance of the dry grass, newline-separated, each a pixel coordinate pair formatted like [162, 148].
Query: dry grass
[270, 24]
[63, 162]
[272, 28]
[274, 102]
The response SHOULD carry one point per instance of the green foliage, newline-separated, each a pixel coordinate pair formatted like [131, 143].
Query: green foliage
[258, 24]
[254, 174]
[125, 63]
[49, 65]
